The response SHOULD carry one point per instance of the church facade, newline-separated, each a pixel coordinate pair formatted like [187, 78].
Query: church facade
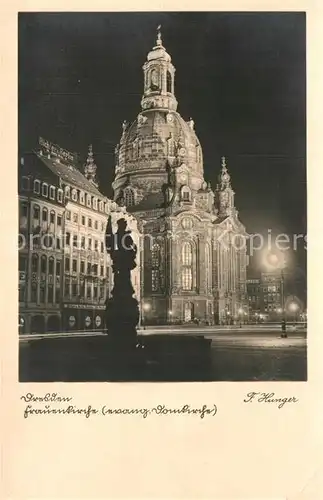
[193, 248]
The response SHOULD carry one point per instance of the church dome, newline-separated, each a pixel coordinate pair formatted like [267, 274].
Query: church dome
[158, 138]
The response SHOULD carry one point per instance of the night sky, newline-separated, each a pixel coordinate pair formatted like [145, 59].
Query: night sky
[240, 76]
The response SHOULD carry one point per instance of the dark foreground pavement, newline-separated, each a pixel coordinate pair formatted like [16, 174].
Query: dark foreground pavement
[230, 356]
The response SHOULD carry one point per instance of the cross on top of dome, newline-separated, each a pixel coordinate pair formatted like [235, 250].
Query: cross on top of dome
[159, 37]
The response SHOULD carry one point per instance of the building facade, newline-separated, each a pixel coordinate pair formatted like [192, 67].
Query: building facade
[64, 270]
[254, 299]
[193, 248]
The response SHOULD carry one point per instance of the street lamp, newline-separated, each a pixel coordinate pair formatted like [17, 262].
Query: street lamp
[170, 314]
[240, 312]
[293, 307]
[145, 308]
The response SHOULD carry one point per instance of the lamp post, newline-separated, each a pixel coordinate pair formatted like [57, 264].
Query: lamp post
[144, 308]
[293, 307]
[170, 315]
[240, 312]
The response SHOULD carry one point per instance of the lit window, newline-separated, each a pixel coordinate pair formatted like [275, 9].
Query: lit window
[187, 254]
[187, 261]
[155, 267]
[129, 197]
[187, 278]
[207, 266]
[155, 280]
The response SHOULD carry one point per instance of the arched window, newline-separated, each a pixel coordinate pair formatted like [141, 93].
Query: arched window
[186, 193]
[129, 197]
[169, 82]
[187, 266]
[187, 254]
[207, 267]
[155, 267]
[154, 79]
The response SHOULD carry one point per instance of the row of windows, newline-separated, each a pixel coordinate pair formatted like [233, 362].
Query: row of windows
[54, 193]
[84, 220]
[83, 243]
[40, 293]
[47, 265]
[71, 265]
[42, 215]
[88, 292]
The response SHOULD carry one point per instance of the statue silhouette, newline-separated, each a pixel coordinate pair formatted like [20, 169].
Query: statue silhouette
[122, 312]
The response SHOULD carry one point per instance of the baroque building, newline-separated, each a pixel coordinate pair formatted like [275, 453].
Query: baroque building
[194, 252]
[65, 272]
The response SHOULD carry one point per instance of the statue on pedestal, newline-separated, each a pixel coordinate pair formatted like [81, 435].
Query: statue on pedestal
[122, 311]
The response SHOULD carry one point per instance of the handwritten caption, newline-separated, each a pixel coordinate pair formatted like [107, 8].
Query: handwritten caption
[54, 404]
[269, 397]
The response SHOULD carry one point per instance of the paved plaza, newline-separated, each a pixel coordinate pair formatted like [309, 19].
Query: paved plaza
[235, 354]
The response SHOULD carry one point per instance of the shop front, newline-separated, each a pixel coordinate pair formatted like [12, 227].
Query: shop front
[83, 317]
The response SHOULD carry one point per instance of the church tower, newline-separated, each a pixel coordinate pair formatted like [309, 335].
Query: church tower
[159, 177]
[224, 192]
[90, 167]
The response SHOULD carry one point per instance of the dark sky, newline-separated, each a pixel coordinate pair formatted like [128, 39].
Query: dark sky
[241, 76]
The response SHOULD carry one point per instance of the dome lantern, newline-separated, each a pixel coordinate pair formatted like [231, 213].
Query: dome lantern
[159, 77]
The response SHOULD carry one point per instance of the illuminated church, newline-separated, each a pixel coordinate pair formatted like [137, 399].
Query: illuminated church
[194, 253]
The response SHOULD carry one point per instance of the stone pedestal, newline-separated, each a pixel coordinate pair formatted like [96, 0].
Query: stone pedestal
[122, 311]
